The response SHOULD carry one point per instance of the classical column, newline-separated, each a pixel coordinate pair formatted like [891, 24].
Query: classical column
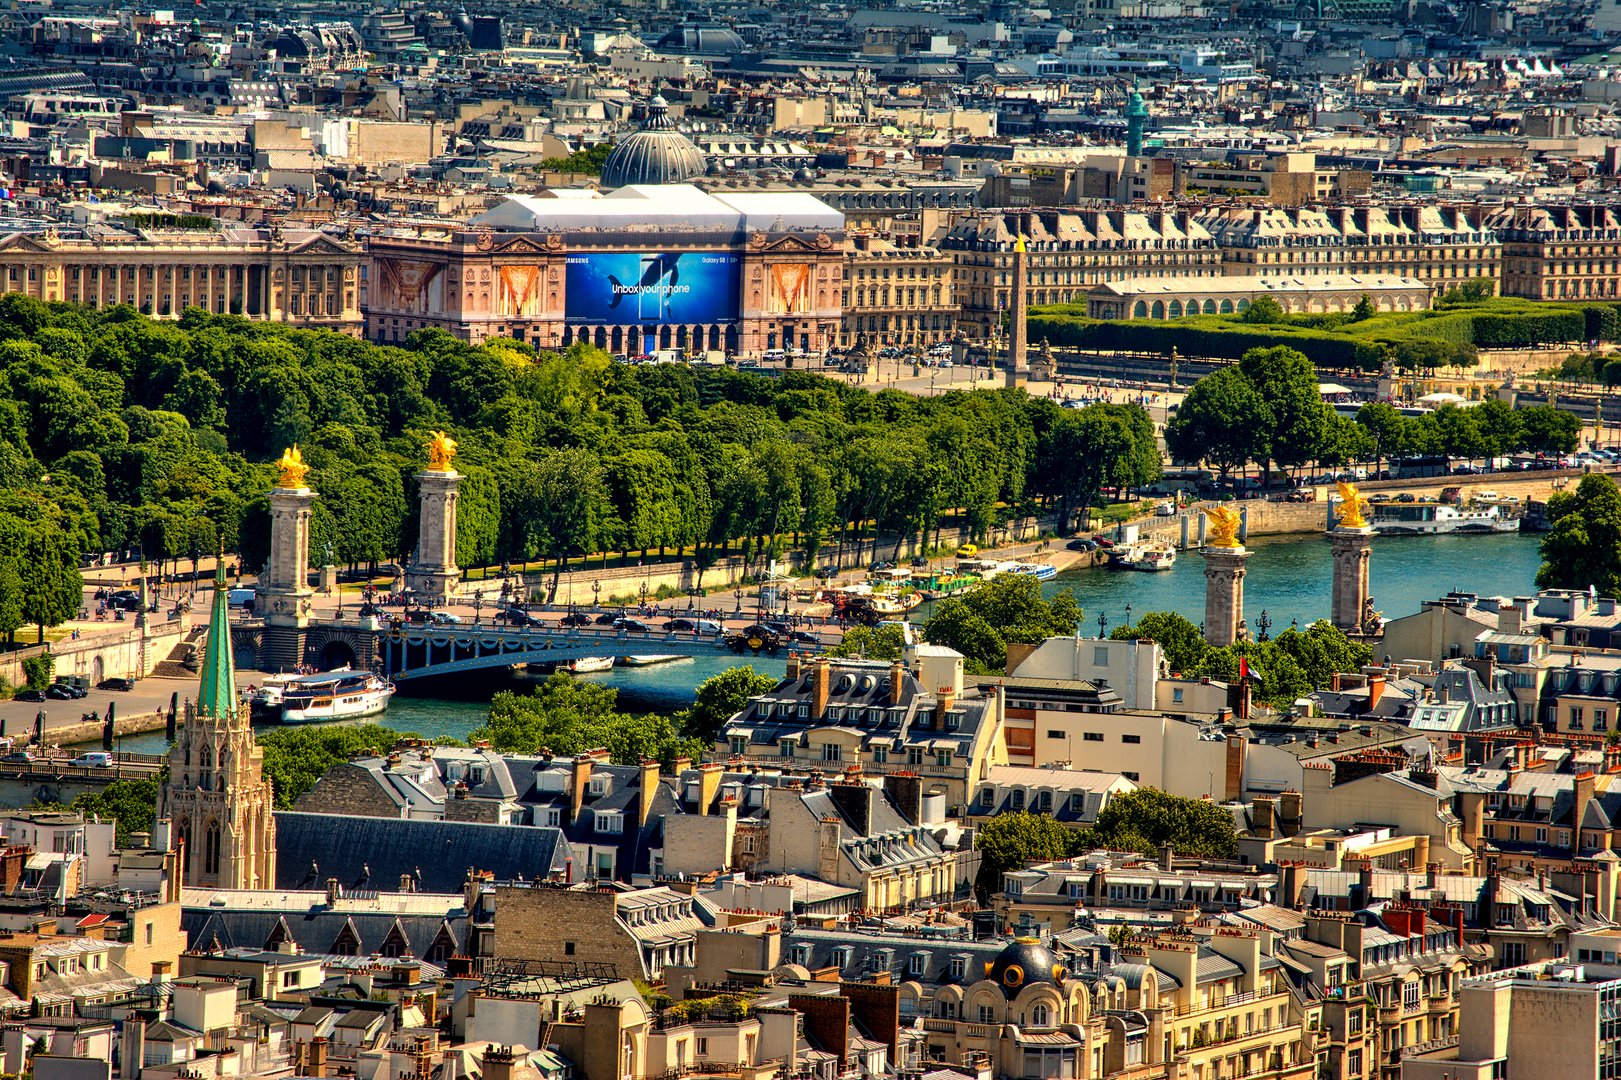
[433, 572]
[284, 594]
[1352, 547]
[1223, 593]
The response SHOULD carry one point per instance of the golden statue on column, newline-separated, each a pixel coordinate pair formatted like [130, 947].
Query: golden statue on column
[1352, 503]
[1224, 522]
[441, 448]
[293, 469]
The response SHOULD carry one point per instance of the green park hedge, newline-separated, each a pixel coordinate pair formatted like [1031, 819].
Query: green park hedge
[1500, 323]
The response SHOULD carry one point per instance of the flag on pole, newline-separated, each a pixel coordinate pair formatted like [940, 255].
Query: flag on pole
[1243, 668]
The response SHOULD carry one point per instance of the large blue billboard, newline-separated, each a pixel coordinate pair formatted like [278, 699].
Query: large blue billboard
[683, 288]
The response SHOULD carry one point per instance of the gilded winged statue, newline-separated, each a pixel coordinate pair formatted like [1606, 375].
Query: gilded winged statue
[441, 448]
[1352, 503]
[1224, 522]
[292, 468]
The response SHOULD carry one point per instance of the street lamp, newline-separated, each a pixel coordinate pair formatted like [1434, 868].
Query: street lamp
[737, 594]
[596, 593]
[642, 589]
[1103, 624]
[478, 605]
[1128, 614]
[1264, 623]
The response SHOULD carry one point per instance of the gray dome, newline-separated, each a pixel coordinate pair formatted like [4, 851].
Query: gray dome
[657, 154]
[1024, 961]
[702, 39]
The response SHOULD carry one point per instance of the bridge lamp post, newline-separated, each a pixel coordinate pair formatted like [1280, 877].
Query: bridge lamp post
[737, 594]
[478, 605]
[596, 593]
[642, 589]
[1263, 623]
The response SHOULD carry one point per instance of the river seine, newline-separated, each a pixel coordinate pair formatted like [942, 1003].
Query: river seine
[1288, 578]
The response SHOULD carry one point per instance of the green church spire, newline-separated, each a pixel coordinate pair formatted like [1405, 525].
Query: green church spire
[216, 695]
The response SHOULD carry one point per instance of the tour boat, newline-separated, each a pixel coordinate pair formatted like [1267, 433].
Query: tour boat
[1430, 519]
[1150, 555]
[587, 664]
[651, 659]
[341, 694]
[1039, 571]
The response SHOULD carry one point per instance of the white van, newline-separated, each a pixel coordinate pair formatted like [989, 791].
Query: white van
[240, 597]
[772, 356]
[97, 759]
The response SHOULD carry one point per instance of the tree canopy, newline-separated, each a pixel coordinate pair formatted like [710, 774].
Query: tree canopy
[1582, 548]
[1007, 608]
[118, 431]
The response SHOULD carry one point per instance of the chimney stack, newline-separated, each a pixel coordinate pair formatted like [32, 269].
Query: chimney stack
[650, 787]
[821, 687]
[897, 680]
[317, 1062]
[578, 782]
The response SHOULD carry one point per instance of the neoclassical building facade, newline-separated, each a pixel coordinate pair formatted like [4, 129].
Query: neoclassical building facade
[1173, 298]
[302, 277]
[644, 268]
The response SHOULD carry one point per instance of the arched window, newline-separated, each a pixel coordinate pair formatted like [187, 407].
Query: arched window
[1158, 309]
[1209, 307]
[1040, 1016]
[211, 848]
[1175, 309]
[1227, 307]
[1139, 310]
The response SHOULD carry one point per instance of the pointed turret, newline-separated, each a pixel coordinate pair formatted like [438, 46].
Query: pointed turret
[216, 693]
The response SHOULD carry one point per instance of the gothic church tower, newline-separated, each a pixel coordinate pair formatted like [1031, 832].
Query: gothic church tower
[216, 796]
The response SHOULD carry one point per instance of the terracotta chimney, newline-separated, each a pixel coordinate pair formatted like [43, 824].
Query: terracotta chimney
[1582, 795]
[317, 1061]
[897, 680]
[580, 780]
[498, 1063]
[1376, 690]
[650, 786]
[821, 686]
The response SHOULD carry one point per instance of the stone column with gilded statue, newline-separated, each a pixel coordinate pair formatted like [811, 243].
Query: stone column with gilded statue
[1351, 538]
[434, 572]
[284, 597]
[1224, 557]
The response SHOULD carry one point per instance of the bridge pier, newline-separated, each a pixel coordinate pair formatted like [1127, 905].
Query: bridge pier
[284, 595]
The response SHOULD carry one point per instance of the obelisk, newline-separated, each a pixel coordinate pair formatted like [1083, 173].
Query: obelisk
[434, 572]
[284, 596]
[1018, 359]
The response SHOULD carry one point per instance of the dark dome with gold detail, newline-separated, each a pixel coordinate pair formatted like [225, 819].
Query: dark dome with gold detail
[1025, 961]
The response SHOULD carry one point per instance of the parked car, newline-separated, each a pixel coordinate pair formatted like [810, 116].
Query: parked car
[968, 551]
[127, 599]
[116, 684]
[692, 626]
[17, 757]
[95, 759]
[1103, 541]
[1082, 545]
[59, 692]
[74, 689]
[804, 637]
[29, 695]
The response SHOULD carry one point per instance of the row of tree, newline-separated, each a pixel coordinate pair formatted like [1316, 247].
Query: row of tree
[1267, 410]
[158, 435]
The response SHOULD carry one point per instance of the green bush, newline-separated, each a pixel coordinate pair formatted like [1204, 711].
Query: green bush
[37, 670]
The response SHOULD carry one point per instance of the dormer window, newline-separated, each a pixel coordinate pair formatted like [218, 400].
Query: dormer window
[610, 822]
